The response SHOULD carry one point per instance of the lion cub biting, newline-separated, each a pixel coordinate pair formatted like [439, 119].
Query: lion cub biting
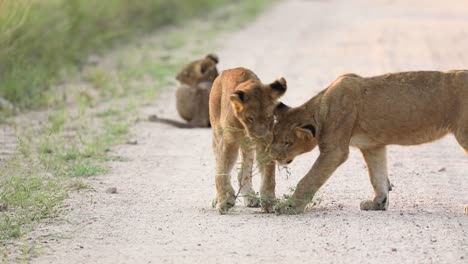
[192, 96]
[406, 108]
[241, 115]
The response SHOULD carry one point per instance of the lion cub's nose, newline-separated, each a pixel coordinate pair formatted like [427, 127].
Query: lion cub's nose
[265, 135]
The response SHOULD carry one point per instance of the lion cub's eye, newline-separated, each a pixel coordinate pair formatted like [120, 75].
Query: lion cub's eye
[288, 143]
[250, 119]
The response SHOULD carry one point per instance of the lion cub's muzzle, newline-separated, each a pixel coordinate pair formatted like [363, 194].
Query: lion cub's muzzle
[265, 136]
[279, 155]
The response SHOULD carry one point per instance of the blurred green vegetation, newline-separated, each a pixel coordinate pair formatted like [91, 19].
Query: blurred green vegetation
[42, 40]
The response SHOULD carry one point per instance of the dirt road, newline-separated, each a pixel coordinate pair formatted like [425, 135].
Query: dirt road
[162, 212]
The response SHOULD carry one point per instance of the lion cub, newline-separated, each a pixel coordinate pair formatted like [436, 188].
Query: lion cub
[241, 115]
[192, 96]
[406, 108]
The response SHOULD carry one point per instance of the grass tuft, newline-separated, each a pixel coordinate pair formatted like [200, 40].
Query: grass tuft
[87, 169]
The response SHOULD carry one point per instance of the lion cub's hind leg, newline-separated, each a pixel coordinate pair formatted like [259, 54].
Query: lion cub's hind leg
[461, 133]
[376, 160]
[245, 176]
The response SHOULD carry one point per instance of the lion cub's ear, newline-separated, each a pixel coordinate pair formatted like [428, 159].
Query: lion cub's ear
[213, 57]
[280, 110]
[305, 132]
[205, 67]
[278, 88]
[238, 100]
[208, 64]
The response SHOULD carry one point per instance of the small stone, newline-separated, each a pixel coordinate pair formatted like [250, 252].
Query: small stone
[132, 142]
[441, 170]
[3, 207]
[199, 245]
[111, 190]
[394, 249]
[433, 239]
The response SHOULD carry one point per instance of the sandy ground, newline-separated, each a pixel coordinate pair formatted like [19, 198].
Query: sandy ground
[162, 212]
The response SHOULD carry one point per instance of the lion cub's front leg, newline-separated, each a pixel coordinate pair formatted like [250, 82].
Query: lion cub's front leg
[376, 160]
[226, 151]
[323, 168]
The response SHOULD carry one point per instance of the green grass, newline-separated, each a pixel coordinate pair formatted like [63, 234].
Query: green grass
[33, 183]
[41, 41]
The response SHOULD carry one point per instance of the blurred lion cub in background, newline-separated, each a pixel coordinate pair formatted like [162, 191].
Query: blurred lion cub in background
[192, 96]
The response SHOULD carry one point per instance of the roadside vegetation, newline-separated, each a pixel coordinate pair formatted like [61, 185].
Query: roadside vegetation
[92, 93]
[41, 41]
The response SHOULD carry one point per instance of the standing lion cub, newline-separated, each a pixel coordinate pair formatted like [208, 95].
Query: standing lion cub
[406, 108]
[241, 113]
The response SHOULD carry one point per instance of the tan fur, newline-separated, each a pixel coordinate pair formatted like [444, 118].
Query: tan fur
[192, 96]
[406, 108]
[241, 115]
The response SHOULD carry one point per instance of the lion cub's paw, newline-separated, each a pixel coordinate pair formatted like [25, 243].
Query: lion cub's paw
[288, 207]
[466, 209]
[268, 205]
[225, 201]
[268, 209]
[251, 200]
[370, 205]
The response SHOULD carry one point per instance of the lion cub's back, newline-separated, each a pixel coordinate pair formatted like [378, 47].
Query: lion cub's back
[411, 107]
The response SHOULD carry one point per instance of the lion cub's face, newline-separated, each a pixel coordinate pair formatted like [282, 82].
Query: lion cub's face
[253, 104]
[290, 138]
[199, 71]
